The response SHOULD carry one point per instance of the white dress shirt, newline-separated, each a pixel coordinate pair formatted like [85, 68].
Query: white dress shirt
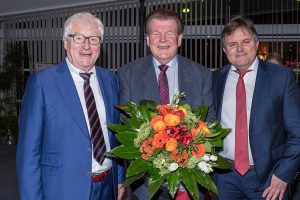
[78, 80]
[172, 75]
[228, 111]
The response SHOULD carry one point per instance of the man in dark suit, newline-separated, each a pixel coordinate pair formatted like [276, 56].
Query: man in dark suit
[141, 78]
[260, 102]
[63, 135]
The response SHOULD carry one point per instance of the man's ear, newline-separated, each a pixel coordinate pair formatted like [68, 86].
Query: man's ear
[147, 40]
[180, 40]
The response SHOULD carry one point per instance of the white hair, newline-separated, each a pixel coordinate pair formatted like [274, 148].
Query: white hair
[80, 16]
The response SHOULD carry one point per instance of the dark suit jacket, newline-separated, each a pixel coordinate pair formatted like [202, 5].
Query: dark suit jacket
[274, 128]
[54, 157]
[138, 81]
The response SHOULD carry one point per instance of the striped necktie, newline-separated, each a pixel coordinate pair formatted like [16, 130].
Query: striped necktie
[99, 148]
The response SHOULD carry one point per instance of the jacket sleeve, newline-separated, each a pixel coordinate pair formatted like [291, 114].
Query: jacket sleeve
[289, 162]
[29, 149]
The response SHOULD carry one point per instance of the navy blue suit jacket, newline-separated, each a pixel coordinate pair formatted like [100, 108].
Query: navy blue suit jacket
[138, 81]
[274, 129]
[54, 157]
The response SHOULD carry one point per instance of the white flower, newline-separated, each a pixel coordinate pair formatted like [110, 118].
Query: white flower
[213, 158]
[173, 167]
[206, 157]
[203, 166]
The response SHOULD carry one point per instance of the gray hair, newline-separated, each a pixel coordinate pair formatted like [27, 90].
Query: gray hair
[79, 16]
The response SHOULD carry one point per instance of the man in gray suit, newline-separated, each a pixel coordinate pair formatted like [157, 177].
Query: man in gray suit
[141, 79]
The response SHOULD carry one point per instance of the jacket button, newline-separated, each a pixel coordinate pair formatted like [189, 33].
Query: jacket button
[89, 149]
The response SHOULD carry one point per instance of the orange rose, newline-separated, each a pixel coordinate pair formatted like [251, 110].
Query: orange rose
[171, 120]
[198, 150]
[171, 144]
[159, 140]
[203, 127]
[195, 131]
[157, 123]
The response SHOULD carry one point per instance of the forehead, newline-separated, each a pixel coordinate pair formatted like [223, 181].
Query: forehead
[238, 34]
[84, 25]
[156, 24]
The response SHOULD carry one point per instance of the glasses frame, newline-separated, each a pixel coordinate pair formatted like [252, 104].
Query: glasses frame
[85, 38]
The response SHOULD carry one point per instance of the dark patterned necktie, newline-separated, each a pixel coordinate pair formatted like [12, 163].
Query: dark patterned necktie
[163, 84]
[99, 148]
[241, 129]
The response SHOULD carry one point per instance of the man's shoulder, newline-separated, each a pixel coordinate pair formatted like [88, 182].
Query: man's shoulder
[136, 64]
[191, 65]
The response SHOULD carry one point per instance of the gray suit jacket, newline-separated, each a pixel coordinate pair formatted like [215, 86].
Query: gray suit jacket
[138, 81]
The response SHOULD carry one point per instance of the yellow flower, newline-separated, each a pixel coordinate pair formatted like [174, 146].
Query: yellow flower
[182, 109]
[171, 120]
[171, 144]
[203, 127]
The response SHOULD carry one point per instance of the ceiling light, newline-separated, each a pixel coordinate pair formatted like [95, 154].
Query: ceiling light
[185, 10]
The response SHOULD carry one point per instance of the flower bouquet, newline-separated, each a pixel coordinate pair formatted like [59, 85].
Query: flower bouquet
[171, 145]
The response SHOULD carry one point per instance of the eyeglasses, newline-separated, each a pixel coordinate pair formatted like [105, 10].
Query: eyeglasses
[243, 43]
[80, 39]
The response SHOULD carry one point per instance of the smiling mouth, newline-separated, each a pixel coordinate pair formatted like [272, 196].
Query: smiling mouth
[163, 47]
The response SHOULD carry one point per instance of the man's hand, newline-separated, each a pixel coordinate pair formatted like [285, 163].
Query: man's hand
[121, 191]
[275, 190]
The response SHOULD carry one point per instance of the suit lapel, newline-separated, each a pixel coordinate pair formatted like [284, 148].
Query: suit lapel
[67, 89]
[184, 78]
[149, 81]
[221, 81]
[261, 88]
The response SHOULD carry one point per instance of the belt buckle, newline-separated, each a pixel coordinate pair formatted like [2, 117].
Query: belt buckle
[96, 178]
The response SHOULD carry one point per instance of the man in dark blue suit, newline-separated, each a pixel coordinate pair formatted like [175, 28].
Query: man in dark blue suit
[140, 79]
[271, 116]
[63, 113]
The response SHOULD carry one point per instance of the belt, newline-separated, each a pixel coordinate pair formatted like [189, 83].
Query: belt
[232, 162]
[96, 178]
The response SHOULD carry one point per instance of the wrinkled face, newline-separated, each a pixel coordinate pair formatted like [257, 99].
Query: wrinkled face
[82, 56]
[241, 48]
[163, 40]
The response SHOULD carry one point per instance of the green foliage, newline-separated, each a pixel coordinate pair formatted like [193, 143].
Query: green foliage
[139, 116]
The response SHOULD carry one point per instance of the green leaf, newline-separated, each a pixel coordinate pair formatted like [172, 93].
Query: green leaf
[207, 146]
[204, 180]
[222, 162]
[126, 152]
[217, 143]
[190, 183]
[126, 138]
[145, 114]
[173, 183]
[120, 128]
[132, 179]
[201, 112]
[148, 104]
[135, 123]
[137, 166]
[123, 108]
[154, 185]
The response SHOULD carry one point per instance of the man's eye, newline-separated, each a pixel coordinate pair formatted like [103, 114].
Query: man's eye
[232, 44]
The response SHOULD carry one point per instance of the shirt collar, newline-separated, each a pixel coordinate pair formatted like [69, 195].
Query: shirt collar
[75, 71]
[171, 64]
[253, 67]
